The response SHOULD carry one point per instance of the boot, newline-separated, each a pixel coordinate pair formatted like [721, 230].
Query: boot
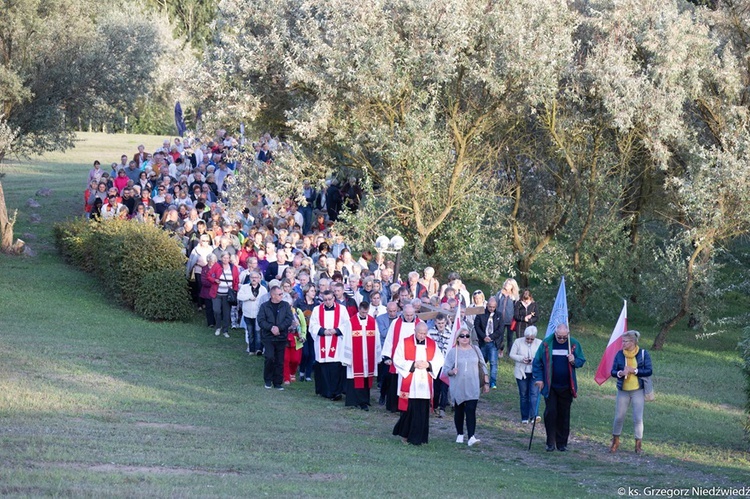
[615, 443]
[637, 445]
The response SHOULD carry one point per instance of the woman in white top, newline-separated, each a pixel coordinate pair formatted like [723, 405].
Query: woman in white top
[523, 352]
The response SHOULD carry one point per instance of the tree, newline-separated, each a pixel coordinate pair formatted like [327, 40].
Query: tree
[61, 60]
[415, 95]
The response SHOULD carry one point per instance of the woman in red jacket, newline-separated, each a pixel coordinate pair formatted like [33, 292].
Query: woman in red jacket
[223, 276]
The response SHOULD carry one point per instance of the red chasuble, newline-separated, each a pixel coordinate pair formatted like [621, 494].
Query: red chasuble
[410, 353]
[363, 339]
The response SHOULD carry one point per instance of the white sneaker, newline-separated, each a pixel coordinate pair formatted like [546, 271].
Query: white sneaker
[217, 332]
[473, 440]
[525, 421]
[460, 439]
[226, 335]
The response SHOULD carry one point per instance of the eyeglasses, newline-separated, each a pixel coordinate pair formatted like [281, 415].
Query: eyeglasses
[464, 336]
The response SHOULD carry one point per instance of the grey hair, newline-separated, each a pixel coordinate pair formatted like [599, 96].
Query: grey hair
[633, 335]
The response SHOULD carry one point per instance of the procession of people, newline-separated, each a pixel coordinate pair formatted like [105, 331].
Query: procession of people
[284, 276]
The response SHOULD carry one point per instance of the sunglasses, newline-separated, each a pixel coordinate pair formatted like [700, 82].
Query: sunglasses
[464, 336]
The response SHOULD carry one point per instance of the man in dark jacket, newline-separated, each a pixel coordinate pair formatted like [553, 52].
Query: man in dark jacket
[489, 329]
[274, 320]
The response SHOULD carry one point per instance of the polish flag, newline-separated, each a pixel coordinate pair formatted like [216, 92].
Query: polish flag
[603, 372]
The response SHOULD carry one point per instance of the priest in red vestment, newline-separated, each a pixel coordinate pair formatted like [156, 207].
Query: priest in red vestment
[329, 324]
[418, 361]
[401, 328]
[361, 356]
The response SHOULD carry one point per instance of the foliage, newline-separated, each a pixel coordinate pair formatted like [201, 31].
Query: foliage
[138, 263]
[744, 347]
[427, 87]
[614, 133]
[192, 19]
[65, 61]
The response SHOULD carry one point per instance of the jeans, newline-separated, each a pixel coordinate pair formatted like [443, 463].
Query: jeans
[529, 394]
[489, 350]
[624, 399]
[252, 335]
[221, 312]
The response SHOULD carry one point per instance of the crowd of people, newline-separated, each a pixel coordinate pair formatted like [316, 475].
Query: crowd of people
[286, 278]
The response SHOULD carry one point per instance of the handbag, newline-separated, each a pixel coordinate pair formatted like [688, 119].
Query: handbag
[648, 386]
[513, 325]
[480, 362]
[232, 296]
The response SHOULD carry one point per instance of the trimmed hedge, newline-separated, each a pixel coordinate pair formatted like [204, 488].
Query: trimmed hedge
[138, 263]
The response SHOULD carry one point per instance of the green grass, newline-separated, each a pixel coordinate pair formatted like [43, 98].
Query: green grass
[97, 402]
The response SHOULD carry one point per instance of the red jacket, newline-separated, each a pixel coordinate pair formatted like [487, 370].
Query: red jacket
[214, 276]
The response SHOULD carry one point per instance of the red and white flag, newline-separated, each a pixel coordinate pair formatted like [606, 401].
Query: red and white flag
[603, 372]
[456, 326]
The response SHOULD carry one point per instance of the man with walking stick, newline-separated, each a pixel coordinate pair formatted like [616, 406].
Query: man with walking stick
[554, 373]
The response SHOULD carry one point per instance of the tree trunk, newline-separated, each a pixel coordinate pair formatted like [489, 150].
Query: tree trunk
[6, 225]
[667, 326]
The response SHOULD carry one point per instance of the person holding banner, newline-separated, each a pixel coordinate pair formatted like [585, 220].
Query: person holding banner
[462, 365]
[418, 361]
[554, 371]
[630, 365]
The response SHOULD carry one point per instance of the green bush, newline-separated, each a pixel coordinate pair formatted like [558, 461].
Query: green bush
[74, 240]
[138, 263]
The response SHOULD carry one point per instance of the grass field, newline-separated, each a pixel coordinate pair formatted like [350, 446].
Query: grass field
[97, 402]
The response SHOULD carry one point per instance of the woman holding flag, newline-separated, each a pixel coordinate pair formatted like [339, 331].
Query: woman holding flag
[462, 365]
[630, 365]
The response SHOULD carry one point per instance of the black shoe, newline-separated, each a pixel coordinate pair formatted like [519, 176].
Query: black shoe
[381, 401]
[336, 398]
[562, 448]
[365, 407]
[550, 448]
[259, 353]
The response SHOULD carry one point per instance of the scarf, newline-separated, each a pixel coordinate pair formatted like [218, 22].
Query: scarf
[631, 380]
[329, 351]
[410, 353]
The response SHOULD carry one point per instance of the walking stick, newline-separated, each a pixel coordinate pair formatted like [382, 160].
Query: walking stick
[536, 413]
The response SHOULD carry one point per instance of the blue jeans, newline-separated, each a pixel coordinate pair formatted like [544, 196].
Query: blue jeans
[489, 350]
[529, 394]
[252, 335]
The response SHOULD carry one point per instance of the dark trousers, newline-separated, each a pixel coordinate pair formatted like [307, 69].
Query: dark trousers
[222, 312]
[511, 337]
[308, 358]
[273, 370]
[195, 289]
[467, 408]
[557, 416]
[208, 304]
[439, 394]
